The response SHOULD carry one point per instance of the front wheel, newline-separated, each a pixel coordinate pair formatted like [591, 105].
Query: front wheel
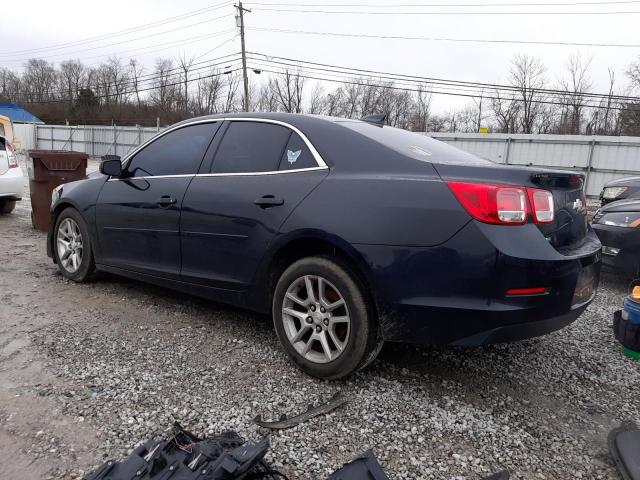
[72, 246]
[323, 318]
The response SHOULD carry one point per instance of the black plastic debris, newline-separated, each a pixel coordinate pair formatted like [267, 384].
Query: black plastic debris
[312, 411]
[624, 446]
[187, 457]
[363, 467]
[367, 467]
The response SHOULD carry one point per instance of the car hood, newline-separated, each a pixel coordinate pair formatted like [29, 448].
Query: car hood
[622, 206]
[624, 182]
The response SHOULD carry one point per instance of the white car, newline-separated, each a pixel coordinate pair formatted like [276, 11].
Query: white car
[11, 178]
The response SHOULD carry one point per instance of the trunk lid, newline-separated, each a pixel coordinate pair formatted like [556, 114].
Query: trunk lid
[569, 227]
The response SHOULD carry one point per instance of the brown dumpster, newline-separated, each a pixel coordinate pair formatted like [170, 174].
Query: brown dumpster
[48, 169]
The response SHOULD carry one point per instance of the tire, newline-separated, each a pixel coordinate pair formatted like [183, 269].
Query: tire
[83, 268]
[349, 331]
[7, 206]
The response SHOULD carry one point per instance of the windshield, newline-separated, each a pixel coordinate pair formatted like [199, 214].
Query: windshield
[415, 145]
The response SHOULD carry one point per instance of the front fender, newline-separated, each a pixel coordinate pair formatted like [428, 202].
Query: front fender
[83, 196]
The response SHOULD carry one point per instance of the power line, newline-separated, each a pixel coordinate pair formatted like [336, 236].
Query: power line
[133, 39]
[430, 5]
[123, 32]
[444, 39]
[364, 12]
[150, 49]
[414, 79]
[449, 93]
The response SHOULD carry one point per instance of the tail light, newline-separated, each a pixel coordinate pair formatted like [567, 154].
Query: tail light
[504, 204]
[542, 205]
[13, 160]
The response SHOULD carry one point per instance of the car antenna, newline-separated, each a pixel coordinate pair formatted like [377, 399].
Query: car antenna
[376, 119]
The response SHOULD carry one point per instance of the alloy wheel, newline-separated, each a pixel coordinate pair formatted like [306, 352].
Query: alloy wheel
[69, 244]
[316, 319]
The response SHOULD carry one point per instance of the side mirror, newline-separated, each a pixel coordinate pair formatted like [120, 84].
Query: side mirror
[111, 167]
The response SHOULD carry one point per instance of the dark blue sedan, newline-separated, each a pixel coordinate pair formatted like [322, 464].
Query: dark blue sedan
[348, 232]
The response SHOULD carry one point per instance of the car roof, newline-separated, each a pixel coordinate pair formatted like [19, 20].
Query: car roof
[298, 120]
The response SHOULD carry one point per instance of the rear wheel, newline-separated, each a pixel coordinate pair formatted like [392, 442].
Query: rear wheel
[7, 206]
[72, 246]
[323, 319]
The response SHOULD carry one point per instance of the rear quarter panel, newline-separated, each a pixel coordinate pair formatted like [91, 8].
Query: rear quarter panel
[382, 209]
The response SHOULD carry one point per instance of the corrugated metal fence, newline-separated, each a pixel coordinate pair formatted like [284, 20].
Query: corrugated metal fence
[600, 158]
[94, 140]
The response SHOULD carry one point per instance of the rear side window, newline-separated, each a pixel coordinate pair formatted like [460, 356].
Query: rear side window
[296, 155]
[415, 145]
[2, 132]
[249, 147]
[176, 153]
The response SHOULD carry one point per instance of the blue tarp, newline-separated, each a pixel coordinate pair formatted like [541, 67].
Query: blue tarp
[18, 114]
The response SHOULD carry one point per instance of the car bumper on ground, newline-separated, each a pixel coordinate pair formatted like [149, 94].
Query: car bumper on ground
[438, 295]
[12, 184]
[620, 248]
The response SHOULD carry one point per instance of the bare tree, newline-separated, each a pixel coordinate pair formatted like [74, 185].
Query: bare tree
[119, 79]
[39, 80]
[10, 85]
[317, 101]
[288, 88]
[421, 109]
[72, 77]
[185, 65]
[165, 90]
[505, 111]
[208, 92]
[135, 71]
[528, 76]
[231, 100]
[577, 84]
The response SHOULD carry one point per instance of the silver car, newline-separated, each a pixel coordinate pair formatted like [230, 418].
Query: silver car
[11, 177]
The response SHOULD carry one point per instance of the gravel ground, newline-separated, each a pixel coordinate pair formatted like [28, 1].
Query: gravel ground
[88, 371]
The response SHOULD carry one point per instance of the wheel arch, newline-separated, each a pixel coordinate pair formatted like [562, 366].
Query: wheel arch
[292, 247]
[60, 206]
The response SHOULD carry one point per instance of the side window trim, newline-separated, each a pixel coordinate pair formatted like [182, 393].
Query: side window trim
[126, 162]
[210, 154]
[224, 122]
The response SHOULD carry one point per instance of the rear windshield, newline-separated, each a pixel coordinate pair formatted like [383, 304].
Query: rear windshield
[414, 145]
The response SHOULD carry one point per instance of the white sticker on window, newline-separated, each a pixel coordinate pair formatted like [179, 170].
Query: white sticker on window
[292, 157]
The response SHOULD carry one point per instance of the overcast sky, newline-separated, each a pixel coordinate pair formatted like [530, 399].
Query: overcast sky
[37, 24]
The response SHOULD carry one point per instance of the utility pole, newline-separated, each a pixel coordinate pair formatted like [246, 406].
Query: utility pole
[240, 17]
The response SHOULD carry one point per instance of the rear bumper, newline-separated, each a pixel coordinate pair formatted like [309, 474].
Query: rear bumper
[12, 184]
[627, 241]
[455, 293]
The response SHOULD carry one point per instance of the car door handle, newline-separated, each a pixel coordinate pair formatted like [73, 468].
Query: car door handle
[268, 201]
[166, 200]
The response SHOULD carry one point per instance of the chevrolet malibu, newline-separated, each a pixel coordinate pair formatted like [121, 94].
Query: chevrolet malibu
[348, 232]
